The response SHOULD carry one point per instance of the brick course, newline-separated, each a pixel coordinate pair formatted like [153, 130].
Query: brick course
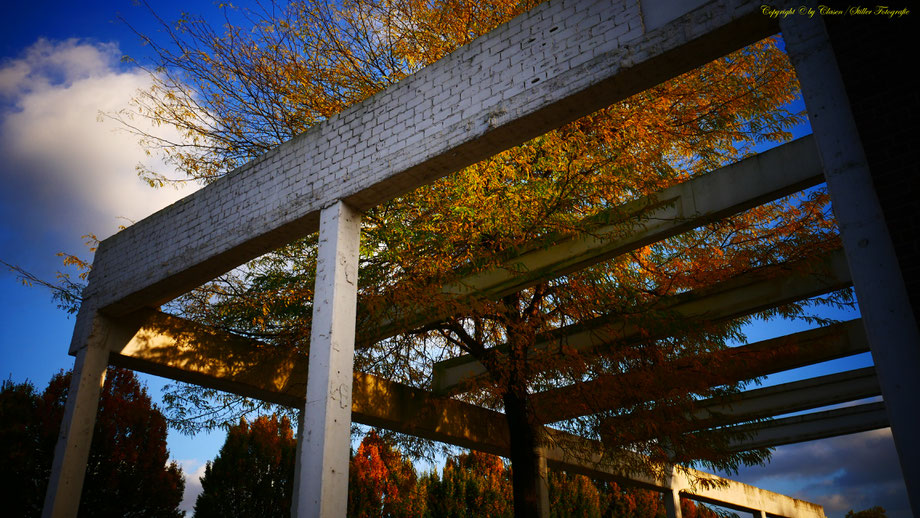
[562, 60]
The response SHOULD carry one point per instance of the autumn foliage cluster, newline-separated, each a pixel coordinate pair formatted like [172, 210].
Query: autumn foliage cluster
[252, 476]
[128, 472]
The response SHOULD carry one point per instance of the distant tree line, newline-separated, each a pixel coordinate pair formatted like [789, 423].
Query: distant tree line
[253, 475]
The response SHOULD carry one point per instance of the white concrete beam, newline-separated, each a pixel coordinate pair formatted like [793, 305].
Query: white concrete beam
[880, 290]
[762, 403]
[68, 470]
[549, 66]
[734, 364]
[813, 426]
[729, 190]
[791, 397]
[322, 488]
[743, 295]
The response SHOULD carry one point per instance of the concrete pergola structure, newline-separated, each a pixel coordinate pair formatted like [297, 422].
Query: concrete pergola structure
[562, 60]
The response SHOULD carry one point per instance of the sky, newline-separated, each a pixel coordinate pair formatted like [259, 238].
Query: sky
[67, 171]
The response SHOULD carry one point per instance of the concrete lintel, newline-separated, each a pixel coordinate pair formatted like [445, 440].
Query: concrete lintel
[742, 295]
[733, 365]
[729, 190]
[501, 90]
[813, 426]
[167, 345]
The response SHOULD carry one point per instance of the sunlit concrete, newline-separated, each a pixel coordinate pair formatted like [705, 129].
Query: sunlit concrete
[323, 454]
[883, 300]
[742, 295]
[167, 345]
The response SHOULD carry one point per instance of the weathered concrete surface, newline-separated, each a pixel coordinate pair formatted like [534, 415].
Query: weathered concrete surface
[62, 498]
[883, 299]
[790, 397]
[562, 60]
[729, 190]
[322, 488]
[166, 345]
[759, 403]
[733, 365]
[814, 426]
[745, 294]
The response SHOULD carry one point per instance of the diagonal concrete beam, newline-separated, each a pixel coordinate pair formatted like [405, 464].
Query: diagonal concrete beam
[170, 346]
[754, 404]
[547, 67]
[745, 294]
[732, 365]
[726, 191]
[814, 426]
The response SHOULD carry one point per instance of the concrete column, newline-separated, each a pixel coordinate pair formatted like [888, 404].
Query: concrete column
[542, 483]
[672, 504]
[72, 451]
[295, 498]
[323, 484]
[883, 301]
[759, 514]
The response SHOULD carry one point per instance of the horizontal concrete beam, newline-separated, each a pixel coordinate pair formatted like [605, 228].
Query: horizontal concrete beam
[547, 67]
[791, 397]
[745, 294]
[760, 403]
[169, 346]
[814, 426]
[690, 483]
[732, 365]
[729, 190]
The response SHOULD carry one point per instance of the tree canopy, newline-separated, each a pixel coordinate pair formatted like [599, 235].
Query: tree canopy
[239, 91]
[128, 473]
[253, 474]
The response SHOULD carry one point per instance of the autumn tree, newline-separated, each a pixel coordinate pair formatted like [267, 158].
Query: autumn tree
[253, 474]
[470, 484]
[381, 483]
[239, 91]
[128, 473]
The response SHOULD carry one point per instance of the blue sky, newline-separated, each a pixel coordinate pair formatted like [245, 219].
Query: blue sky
[65, 173]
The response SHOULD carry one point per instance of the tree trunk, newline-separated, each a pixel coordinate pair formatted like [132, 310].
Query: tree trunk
[528, 479]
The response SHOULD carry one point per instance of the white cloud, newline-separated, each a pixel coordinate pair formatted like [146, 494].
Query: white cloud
[194, 470]
[66, 171]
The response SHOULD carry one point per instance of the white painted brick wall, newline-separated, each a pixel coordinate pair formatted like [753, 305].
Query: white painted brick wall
[562, 60]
